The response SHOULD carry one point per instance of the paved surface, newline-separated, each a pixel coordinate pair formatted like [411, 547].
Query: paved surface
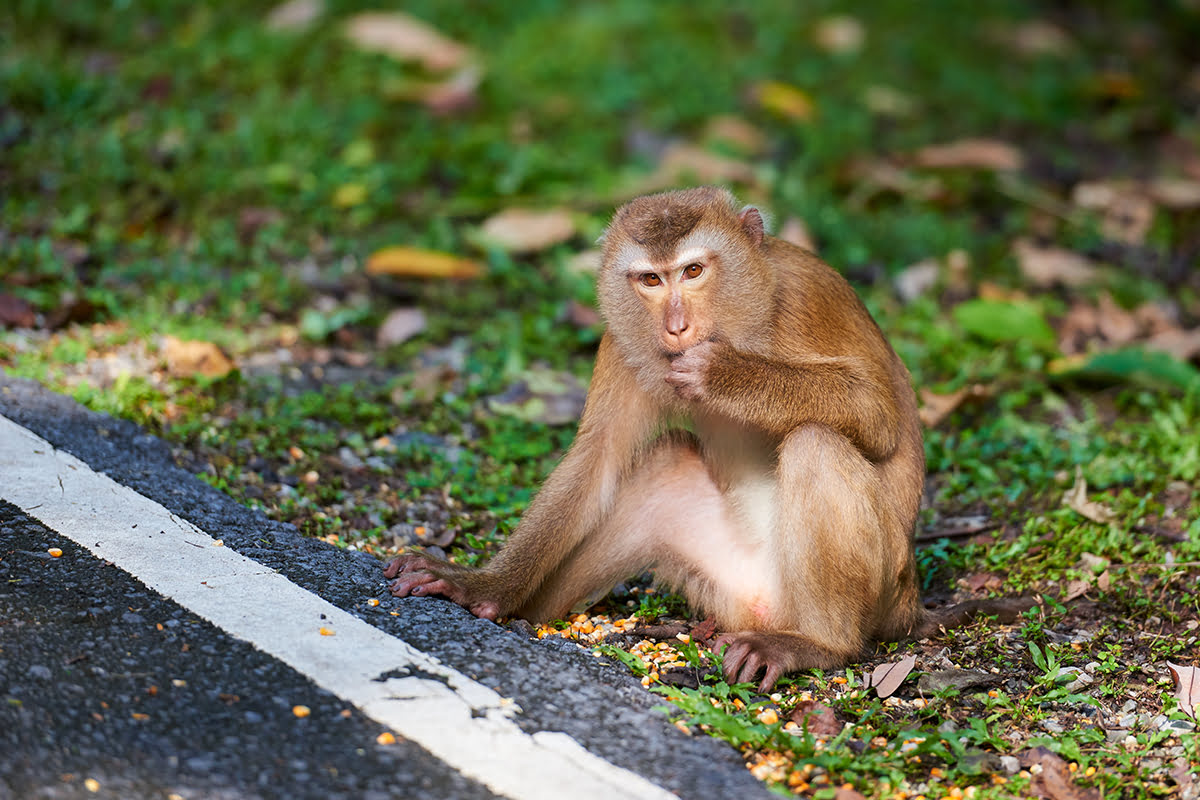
[104, 678]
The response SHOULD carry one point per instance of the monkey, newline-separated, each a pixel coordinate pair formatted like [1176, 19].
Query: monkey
[749, 435]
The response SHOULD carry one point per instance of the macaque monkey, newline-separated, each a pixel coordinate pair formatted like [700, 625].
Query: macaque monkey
[749, 435]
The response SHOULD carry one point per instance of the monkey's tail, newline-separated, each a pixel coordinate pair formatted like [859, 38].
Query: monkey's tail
[1006, 610]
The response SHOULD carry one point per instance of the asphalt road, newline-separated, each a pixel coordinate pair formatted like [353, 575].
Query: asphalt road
[146, 661]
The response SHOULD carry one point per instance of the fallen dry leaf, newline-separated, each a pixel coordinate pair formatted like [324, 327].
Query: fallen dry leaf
[1175, 193]
[524, 230]
[737, 132]
[1049, 266]
[917, 279]
[1036, 38]
[970, 154]
[1115, 324]
[411, 262]
[886, 678]
[795, 231]
[1183, 345]
[817, 718]
[682, 162]
[844, 793]
[936, 407]
[840, 34]
[1053, 780]
[1076, 499]
[1075, 590]
[542, 395]
[400, 325]
[1187, 688]
[191, 358]
[406, 38]
[294, 15]
[15, 312]
[784, 99]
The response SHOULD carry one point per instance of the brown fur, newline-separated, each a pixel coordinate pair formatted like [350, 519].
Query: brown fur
[788, 515]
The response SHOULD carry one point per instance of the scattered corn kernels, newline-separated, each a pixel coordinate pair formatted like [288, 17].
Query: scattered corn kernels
[55, 552]
[373, 601]
[387, 737]
[92, 785]
[301, 711]
[768, 716]
[327, 632]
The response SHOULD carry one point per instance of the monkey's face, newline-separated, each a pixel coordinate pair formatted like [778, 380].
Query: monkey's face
[677, 297]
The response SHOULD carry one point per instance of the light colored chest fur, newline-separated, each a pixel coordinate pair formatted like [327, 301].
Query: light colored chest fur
[744, 466]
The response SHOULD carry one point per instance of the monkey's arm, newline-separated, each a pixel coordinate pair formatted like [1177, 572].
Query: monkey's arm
[846, 393]
[617, 419]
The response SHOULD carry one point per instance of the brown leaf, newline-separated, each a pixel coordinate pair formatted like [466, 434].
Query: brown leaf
[982, 580]
[523, 230]
[411, 262]
[705, 629]
[1037, 38]
[970, 154]
[682, 162]
[1184, 345]
[1075, 590]
[1054, 781]
[936, 407]
[294, 15]
[400, 325]
[840, 34]
[1187, 688]
[736, 132]
[1049, 266]
[15, 312]
[795, 231]
[917, 279]
[818, 719]
[582, 316]
[886, 678]
[1175, 193]
[189, 358]
[406, 38]
[1076, 499]
[542, 395]
[1115, 324]
[844, 793]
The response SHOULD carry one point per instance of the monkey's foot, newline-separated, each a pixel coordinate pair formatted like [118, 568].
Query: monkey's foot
[417, 575]
[773, 654]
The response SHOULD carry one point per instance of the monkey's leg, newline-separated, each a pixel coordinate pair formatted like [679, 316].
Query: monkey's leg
[668, 514]
[829, 560]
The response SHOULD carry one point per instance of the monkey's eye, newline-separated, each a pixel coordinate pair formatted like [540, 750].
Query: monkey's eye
[693, 270]
[651, 279]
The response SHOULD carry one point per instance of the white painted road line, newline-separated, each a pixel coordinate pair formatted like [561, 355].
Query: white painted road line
[464, 723]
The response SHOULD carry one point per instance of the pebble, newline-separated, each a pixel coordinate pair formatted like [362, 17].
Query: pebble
[1051, 726]
[40, 672]
[1010, 764]
[1129, 707]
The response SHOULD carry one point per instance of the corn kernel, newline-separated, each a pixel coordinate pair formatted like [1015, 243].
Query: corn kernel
[92, 785]
[327, 631]
[373, 601]
[387, 737]
[768, 716]
[301, 711]
[55, 552]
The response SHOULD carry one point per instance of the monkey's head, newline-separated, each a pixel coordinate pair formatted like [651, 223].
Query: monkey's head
[684, 267]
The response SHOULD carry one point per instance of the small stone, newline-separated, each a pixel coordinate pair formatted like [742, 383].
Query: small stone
[1010, 764]
[40, 672]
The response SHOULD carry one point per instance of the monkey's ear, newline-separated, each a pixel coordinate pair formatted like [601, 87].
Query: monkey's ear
[752, 224]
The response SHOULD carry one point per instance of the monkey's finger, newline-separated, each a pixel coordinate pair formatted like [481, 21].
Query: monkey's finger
[409, 582]
[393, 567]
[438, 586]
[750, 668]
[735, 654]
[773, 673]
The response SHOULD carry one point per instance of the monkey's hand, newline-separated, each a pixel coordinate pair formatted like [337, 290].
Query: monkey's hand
[421, 575]
[689, 369]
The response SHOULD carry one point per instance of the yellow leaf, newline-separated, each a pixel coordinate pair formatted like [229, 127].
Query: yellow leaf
[411, 262]
[350, 194]
[186, 359]
[785, 100]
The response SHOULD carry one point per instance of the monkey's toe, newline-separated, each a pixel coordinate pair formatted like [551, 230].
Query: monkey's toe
[411, 583]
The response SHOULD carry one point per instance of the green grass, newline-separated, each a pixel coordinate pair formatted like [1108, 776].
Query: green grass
[187, 172]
